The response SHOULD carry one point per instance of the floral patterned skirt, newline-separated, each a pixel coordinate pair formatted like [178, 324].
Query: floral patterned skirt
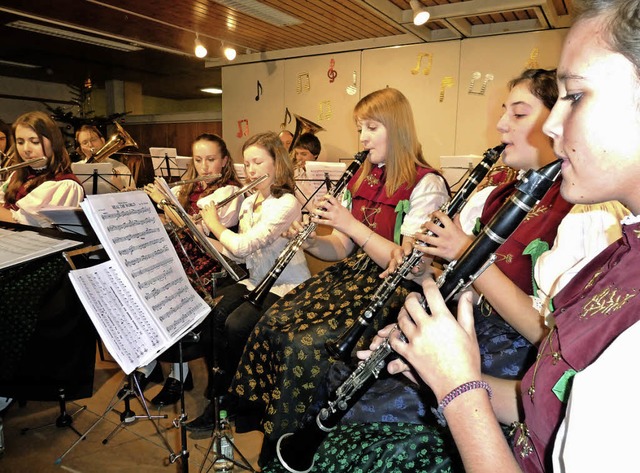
[285, 358]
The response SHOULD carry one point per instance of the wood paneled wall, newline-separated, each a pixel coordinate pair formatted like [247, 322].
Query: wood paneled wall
[164, 135]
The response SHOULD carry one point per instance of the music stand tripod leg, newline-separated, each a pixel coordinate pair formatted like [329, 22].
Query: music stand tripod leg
[217, 434]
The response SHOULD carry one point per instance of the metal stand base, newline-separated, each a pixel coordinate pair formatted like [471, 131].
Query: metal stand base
[129, 389]
[216, 441]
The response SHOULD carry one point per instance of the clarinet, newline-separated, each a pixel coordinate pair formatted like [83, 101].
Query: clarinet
[296, 450]
[343, 346]
[257, 296]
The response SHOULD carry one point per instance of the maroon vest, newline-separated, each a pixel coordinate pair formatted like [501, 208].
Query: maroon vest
[542, 222]
[372, 206]
[591, 311]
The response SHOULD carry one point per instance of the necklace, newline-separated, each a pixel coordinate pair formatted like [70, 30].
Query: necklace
[553, 353]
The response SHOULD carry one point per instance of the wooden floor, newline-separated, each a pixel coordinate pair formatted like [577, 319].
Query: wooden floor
[138, 448]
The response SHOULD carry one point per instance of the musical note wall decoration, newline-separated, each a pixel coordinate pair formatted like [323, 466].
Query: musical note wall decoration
[427, 70]
[445, 83]
[258, 90]
[532, 63]
[287, 118]
[483, 87]
[332, 73]
[303, 83]
[243, 130]
[324, 110]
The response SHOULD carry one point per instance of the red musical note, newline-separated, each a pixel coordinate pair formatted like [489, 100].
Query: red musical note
[242, 132]
[332, 73]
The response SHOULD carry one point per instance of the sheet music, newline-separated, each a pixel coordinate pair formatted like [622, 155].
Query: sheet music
[22, 246]
[141, 301]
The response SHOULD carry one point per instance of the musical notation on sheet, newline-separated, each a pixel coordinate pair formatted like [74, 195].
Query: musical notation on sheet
[141, 301]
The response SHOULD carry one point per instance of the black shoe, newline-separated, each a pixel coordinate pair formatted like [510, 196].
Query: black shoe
[204, 423]
[170, 393]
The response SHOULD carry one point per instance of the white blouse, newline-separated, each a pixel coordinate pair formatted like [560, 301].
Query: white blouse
[259, 241]
[64, 193]
[427, 196]
[229, 214]
[583, 233]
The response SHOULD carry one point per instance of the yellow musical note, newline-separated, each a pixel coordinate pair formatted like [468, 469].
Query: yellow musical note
[532, 63]
[445, 83]
[303, 83]
[427, 69]
[324, 110]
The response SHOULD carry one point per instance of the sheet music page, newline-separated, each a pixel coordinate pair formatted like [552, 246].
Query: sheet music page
[147, 286]
[22, 246]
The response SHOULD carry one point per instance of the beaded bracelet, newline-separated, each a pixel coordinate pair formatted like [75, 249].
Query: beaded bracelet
[463, 388]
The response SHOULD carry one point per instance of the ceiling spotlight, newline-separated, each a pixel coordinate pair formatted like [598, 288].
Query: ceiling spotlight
[229, 53]
[200, 50]
[420, 13]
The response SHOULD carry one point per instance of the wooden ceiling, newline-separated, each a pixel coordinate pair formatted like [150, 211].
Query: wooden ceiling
[163, 33]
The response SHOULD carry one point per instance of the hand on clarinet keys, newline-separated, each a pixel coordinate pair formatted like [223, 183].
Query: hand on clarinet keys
[444, 239]
[443, 350]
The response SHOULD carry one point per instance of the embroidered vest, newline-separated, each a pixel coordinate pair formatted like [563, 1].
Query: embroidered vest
[372, 206]
[597, 305]
[542, 222]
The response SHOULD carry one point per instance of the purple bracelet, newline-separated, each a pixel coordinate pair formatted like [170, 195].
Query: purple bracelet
[463, 388]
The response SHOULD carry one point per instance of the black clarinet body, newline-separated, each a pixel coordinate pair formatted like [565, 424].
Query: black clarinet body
[296, 450]
[342, 347]
[258, 295]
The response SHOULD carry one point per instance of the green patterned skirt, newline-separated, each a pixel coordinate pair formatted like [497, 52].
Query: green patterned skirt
[383, 448]
[285, 358]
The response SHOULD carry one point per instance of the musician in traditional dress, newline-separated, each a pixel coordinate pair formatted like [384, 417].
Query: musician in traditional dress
[210, 157]
[387, 200]
[47, 182]
[264, 217]
[397, 413]
[89, 141]
[584, 359]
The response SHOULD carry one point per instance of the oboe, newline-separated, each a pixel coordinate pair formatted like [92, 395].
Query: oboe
[257, 296]
[296, 450]
[342, 347]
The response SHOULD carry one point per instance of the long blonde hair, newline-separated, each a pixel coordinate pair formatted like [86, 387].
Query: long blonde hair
[404, 152]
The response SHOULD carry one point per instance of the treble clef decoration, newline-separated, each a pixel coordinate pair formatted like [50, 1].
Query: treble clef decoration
[332, 73]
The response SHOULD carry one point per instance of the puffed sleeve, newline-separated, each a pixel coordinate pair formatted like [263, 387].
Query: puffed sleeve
[427, 196]
[276, 217]
[229, 214]
[65, 193]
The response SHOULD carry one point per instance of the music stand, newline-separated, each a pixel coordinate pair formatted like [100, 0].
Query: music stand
[167, 163]
[128, 388]
[96, 178]
[237, 274]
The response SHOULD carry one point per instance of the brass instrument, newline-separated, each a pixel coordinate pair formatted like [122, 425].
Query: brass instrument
[344, 345]
[118, 140]
[296, 450]
[38, 162]
[303, 125]
[259, 293]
